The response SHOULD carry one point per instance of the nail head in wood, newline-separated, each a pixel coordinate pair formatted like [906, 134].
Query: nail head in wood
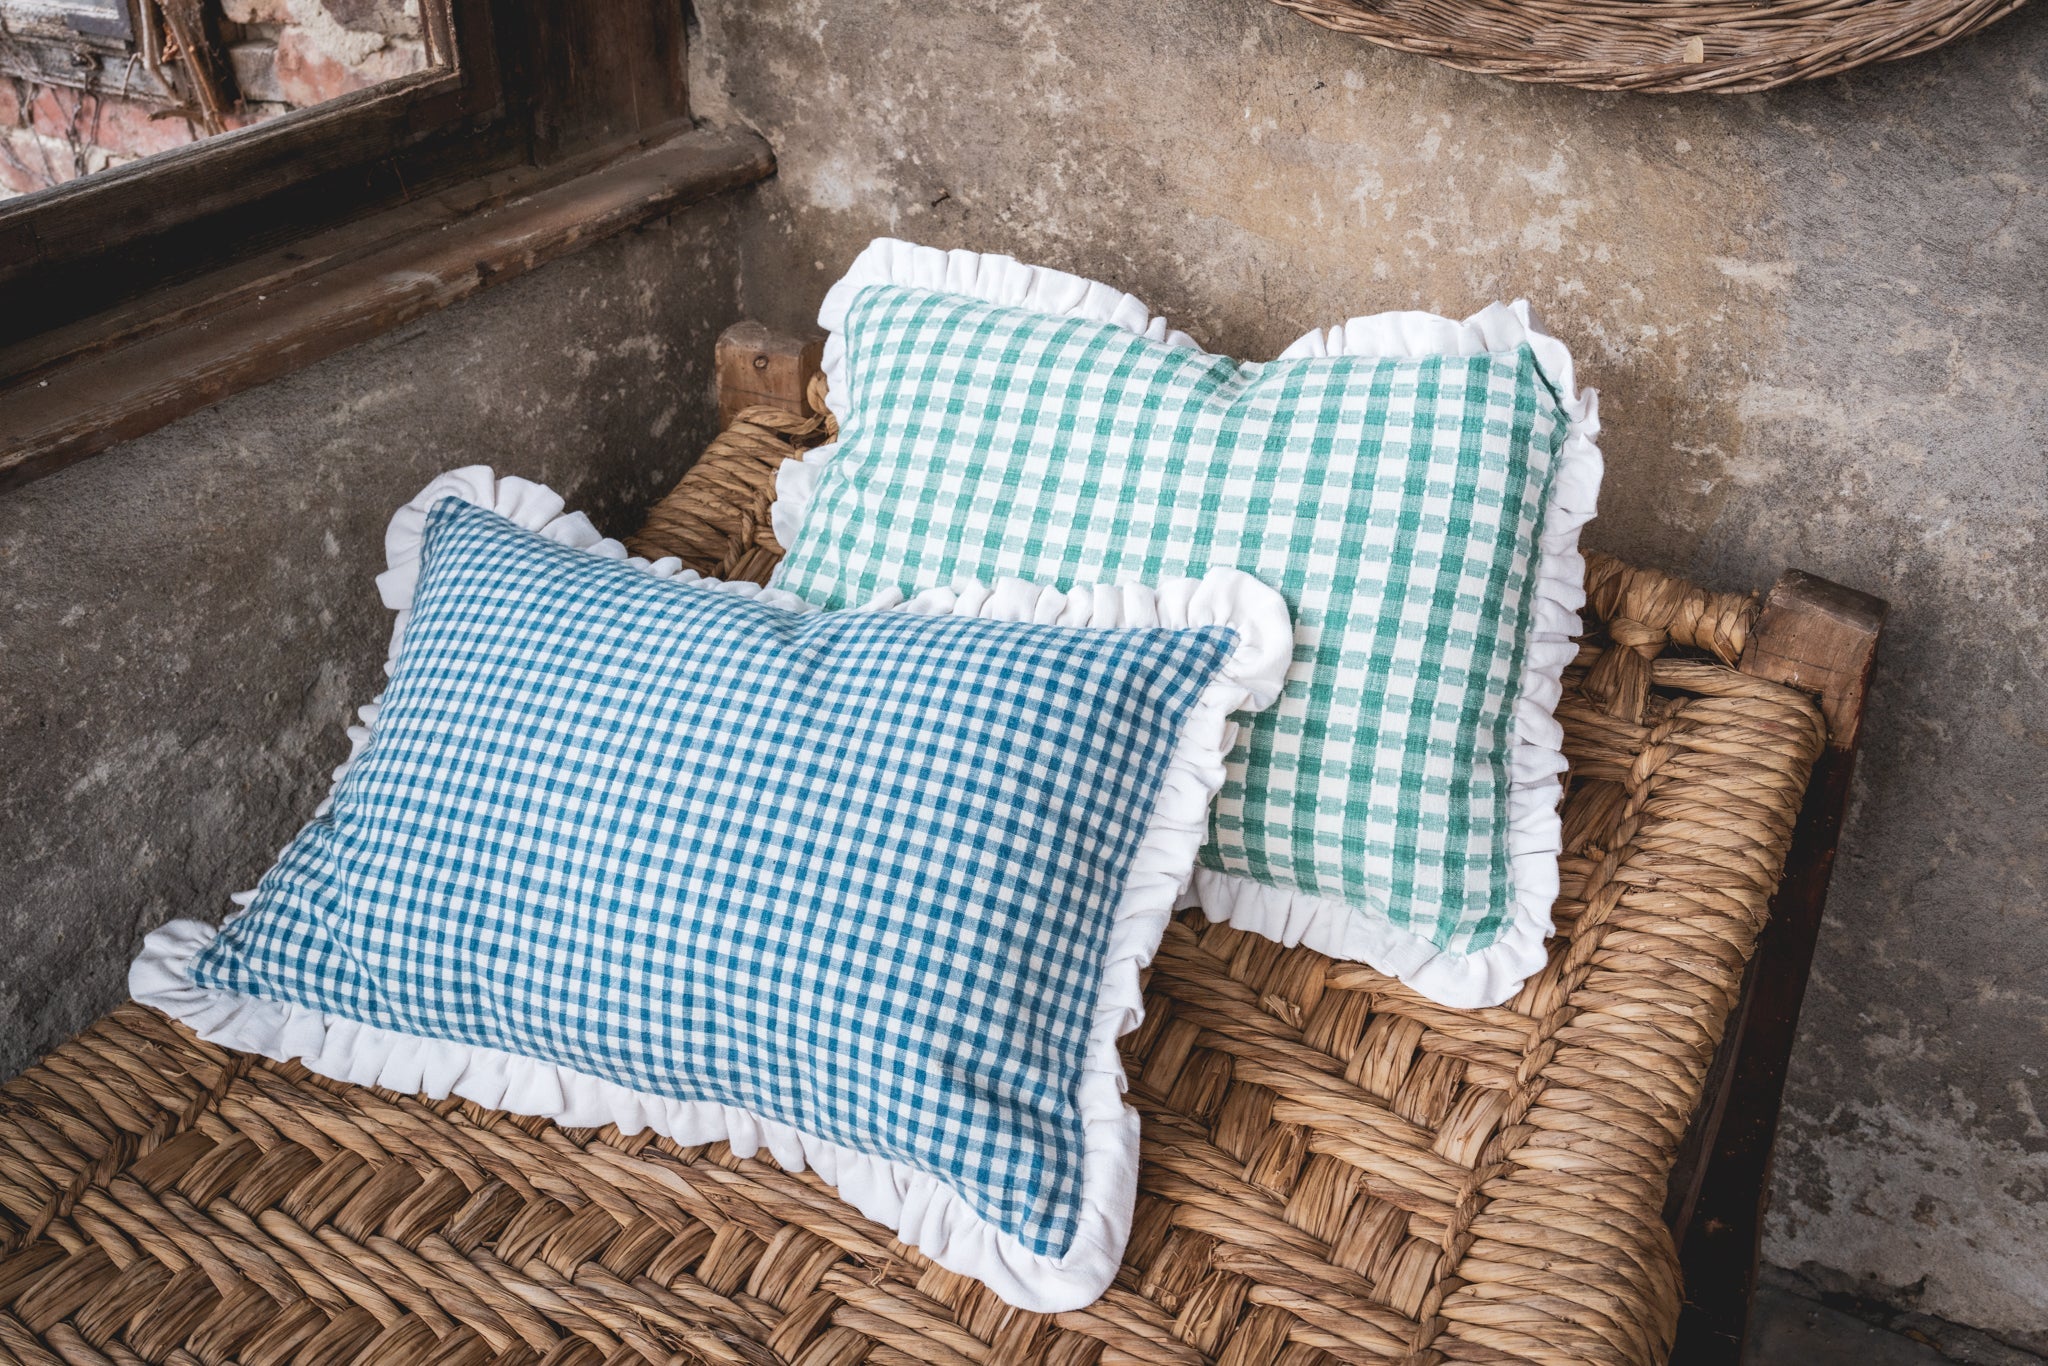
[758, 365]
[1820, 637]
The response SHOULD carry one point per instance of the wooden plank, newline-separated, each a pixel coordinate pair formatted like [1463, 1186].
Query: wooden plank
[1819, 637]
[75, 66]
[605, 71]
[71, 409]
[193, 26]
[1689, 1166]
[177, 304]
[1823, 637]
[757, 365]
[94, 24]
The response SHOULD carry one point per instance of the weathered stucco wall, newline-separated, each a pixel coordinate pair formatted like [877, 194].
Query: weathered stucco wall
[188, 621]
[1818, 321]
[1817, 318]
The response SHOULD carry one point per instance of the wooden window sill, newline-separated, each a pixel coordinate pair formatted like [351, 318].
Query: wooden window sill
[70, 393]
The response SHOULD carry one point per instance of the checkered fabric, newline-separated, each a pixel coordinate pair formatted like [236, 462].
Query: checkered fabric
[1396, 504]
[854, 872]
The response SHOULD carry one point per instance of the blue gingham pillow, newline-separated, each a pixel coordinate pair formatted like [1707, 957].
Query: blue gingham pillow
[869, 888]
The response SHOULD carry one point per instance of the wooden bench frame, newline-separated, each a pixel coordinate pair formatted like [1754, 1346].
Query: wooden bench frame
[1820, 637]
[1812, 634]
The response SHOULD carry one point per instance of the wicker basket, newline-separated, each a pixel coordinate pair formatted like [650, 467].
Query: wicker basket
[1336, 1170]
[1661, 46]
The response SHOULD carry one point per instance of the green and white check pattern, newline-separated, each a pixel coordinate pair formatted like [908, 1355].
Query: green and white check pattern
[1395, 503]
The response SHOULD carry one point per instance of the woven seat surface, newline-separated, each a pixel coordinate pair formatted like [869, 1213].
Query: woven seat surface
[1335, 1169]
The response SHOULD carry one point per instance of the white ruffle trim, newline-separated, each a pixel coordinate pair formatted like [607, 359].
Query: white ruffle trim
[998, 279]
[1536, 762]
[1337, 928]
[920, 1208]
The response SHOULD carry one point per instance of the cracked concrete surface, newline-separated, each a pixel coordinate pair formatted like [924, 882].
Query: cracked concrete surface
[1817, 318]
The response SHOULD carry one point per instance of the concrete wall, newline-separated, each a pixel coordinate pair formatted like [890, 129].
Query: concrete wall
[1819, 322]
[188, 621]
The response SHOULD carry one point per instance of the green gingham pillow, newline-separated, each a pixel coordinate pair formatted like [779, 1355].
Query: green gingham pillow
[1413, 485]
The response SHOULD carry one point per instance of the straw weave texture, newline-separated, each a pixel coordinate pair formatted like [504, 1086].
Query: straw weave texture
[1336, 1170]
[1658, 46]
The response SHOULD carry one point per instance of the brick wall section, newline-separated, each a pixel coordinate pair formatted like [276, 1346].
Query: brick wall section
[287, 54]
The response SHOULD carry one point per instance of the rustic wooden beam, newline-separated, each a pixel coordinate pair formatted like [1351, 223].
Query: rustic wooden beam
[757, 365]
[345, 287]
[604, 71]
[1689, 1166]
[196, 29]
[1820, 637]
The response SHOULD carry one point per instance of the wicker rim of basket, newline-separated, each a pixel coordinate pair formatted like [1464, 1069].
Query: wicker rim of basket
[1658, 46]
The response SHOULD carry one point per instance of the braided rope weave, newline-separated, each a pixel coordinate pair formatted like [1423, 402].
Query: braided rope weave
[719, 526]
[1336, 1170]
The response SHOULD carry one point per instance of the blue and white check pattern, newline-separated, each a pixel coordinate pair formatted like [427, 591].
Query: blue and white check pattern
[854, 872]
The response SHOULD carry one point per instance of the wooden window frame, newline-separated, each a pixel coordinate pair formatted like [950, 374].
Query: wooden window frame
[71, 24]
[137, 295]
[94, 45]
[65, 33]
[81, 247]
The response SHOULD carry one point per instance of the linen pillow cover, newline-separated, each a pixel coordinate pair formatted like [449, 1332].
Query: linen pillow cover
[1413, 485]
[871, 889]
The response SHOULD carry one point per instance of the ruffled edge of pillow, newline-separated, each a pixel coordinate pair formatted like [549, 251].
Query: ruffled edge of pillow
[921, 1208]
[1488, 976]
[1536, 762]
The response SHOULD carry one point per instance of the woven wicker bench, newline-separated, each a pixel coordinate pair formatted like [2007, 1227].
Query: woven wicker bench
[1336, 1169]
